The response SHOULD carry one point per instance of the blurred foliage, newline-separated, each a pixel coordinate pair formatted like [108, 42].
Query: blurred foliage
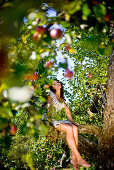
[26, 152]
[24, 71]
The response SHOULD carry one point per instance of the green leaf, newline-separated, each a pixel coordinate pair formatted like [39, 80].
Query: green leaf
[108, 50]
[65, 24]
[3, 123]
[8, 4]
[73, 6]
[100, 10]
[23, 128]
[28, 159]
[85, 11]
[63, 65]
[101, 51]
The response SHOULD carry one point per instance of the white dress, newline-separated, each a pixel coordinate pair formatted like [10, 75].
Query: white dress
[58, 106]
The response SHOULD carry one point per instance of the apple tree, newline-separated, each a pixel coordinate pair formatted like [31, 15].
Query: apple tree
[30, 40]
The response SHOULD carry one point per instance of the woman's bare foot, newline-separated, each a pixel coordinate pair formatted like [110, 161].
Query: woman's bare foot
[75, 168]
[83, 163]
[75, 165]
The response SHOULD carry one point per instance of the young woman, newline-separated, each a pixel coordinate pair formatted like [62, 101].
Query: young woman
[56, 103]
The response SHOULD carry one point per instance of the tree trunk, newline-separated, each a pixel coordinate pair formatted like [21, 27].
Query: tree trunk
[88, 147]
[106, 140]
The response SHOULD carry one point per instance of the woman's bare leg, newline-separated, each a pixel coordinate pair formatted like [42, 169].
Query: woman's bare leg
[69, 130]
[75, 133]
[71, 142]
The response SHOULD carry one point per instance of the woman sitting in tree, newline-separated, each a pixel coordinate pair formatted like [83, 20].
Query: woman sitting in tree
[56, 105]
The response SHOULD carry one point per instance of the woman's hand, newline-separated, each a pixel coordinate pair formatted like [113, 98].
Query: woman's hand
[68, 113]
[77, 124]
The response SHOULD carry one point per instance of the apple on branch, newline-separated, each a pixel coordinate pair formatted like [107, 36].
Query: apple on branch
[68, 74]
[67, 46]
[49, 64]
[35, 36]
[31, 77]
[38, 20]
[40, 30]
[95, 2]
[90, 76]
[46, 86]
[13, 130]
[56, 33]
[107, 17]
[3, 131]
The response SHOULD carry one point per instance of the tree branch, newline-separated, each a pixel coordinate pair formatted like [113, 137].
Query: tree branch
[90, 129]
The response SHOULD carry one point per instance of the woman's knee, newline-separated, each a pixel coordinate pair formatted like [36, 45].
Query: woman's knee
[75, 128]
[65, 128]
[70, 129]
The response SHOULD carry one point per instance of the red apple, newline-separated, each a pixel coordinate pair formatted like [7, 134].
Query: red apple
[31, 77]
[68, 73]
[95, 2]
[40, 30]
[67, 46]
[55, 33]
[48, 155]
[90, 76]
[49, 64]
[3, 131]
[107, 17]
[35, 36]
[46, 86]
[38, 33]
[13, 130]
[38, 20]
[34, 77]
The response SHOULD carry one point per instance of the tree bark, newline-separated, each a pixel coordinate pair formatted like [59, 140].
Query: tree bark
[89, 148]
[90, 129]
[106, 140]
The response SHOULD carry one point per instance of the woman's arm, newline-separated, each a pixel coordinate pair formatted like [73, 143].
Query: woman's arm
[49, 103]
[50, 107]
[68, 113]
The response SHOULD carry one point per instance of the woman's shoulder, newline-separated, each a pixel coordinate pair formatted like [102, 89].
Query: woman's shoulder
[48, 90]
[50, 93]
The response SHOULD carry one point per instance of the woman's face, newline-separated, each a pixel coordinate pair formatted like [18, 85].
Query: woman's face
[56, 85]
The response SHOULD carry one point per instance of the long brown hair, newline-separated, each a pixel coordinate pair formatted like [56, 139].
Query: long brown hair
[62, 89]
